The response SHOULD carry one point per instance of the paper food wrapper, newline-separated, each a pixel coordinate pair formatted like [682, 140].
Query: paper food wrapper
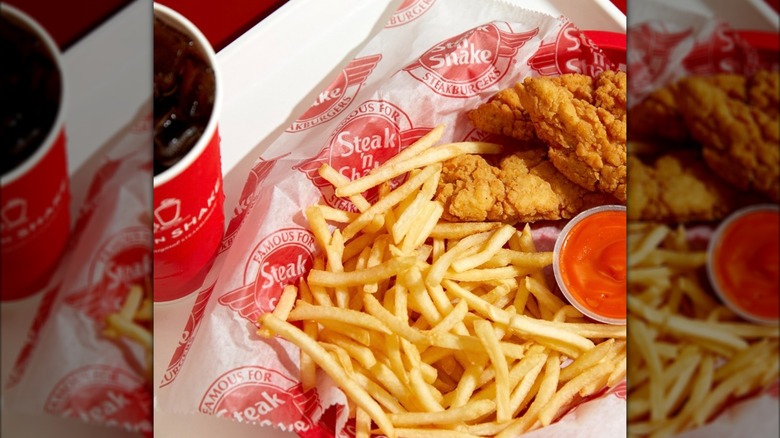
[67, 367]
[427, 66]
[666, 43]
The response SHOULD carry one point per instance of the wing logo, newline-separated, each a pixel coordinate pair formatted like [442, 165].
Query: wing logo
[651, 51]
[280, 258]
[253, 394]
[565, 54]
[468, 63]
[339, 94]
[375, 131]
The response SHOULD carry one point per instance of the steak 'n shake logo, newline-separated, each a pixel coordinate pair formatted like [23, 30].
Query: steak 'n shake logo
[339, 95]
[720, 53]
[375, 131]
[408, 11]
[468, 63]
[122, 261]
[263, 396]
[19, 220]
[259, 172]
[105, 395]
[570, 52]
[281, 258]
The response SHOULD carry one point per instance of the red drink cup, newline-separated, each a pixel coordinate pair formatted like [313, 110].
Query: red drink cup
[188, 197]
[35, 193]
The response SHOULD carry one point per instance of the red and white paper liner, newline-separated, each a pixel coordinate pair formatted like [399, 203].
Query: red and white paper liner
[432, 62]
[67, 367]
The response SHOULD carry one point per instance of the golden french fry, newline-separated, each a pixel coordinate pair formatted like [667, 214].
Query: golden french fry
[440, 329]
[326, 362]
[374, 274]
[431, 156]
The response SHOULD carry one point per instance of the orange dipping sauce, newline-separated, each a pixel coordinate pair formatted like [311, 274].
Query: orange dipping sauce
[744, 261]
[591, 264]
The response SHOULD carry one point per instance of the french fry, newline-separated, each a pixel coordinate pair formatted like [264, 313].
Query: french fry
[326, 362]
[691, 356]
[431, 156]
[434, 328]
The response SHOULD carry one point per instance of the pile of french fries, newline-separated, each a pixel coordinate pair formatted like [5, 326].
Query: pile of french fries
[690, 355]
[433, 328]
[133, 322]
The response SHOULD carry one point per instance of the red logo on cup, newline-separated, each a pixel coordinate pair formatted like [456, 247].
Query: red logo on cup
[263, 396]
[187, 336]
[409, 11]
[337, 97]
[281, 258]
[371, 134]
[720, 53]
[466, 64]
[571, 52]
[124, 260]
[650, 52]
[104, 395]
[23, 218]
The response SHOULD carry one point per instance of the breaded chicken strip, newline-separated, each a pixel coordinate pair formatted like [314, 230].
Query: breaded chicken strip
[585, 130]
[677, 187]
[503, 114]
[738, 128]
[525, 187]
[658, 118]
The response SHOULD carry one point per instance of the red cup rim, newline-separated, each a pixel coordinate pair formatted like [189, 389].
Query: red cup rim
[179, 22]
[54, 133]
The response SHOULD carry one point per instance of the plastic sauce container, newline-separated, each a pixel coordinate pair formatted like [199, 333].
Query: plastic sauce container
[742, 262]
[589, 262]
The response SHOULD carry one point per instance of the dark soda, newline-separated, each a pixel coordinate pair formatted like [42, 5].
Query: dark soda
[184, 85]
[31, 92]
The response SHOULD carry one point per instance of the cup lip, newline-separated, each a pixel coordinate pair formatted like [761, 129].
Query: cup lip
[556, 265]
[179, 22]
[57, 127]
[712, 275]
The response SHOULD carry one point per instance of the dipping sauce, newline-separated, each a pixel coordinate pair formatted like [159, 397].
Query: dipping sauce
[590, 263]
[743, 260]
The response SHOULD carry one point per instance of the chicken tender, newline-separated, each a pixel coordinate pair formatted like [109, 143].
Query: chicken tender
[524, 187]
[504, 115]
[658, 118]
[738, 128]
[677, 187]
[585, 129]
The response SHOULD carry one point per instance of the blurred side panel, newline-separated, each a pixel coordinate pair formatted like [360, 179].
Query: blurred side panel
[66, 370]
[704, 218]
